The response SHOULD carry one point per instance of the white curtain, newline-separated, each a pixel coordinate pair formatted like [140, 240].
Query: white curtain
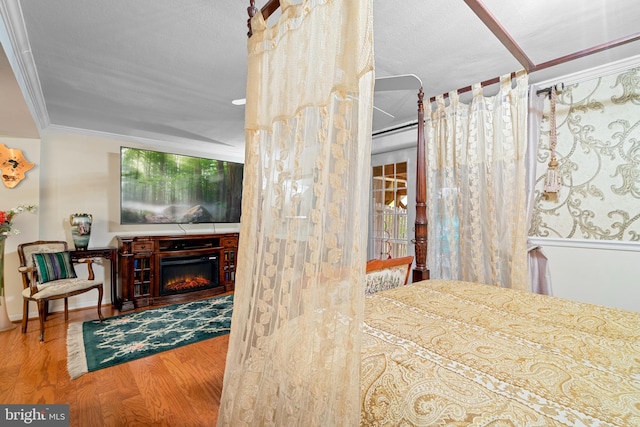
[476, 186]
[294, 350]
[539, 273]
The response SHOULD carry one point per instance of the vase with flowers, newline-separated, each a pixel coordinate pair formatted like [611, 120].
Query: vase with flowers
[6, 229]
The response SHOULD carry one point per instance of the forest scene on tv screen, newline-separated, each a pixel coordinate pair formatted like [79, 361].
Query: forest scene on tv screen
[165, 188]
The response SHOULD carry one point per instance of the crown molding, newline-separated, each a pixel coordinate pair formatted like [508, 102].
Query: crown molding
[21, 58]
[197, 147]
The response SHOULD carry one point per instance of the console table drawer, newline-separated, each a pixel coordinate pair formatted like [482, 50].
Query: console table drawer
[228, 242]
[137, 247]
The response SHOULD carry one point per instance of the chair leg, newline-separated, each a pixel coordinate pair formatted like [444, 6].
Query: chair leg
[66, 309]
[42, 309]
[100, 293]
[25, 315]
[46, 310]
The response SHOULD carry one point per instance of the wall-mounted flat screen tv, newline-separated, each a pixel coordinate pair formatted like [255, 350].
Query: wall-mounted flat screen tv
[165, 188]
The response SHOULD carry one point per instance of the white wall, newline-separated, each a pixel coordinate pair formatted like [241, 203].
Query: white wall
[25, 193]
[78, 173]
[605, 275]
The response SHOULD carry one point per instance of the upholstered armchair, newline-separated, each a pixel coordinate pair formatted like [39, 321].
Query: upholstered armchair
[48, 273]
[383, 274]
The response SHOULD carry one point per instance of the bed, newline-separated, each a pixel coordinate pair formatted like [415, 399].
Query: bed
[458, 353]
[452, 353]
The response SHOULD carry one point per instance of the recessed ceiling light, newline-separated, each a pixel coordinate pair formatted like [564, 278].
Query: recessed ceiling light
[240, 101]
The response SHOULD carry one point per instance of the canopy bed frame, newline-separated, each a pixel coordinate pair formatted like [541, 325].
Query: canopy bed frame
[451, 352]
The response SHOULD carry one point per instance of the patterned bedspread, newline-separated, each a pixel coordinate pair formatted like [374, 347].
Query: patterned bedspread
[451, 353]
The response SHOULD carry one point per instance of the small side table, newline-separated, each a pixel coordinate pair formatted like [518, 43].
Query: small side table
[109, 253]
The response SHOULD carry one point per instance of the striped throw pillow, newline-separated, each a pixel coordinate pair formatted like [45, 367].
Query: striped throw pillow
[53, 266]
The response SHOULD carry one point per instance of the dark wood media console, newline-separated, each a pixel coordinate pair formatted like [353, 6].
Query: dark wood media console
[142, 261]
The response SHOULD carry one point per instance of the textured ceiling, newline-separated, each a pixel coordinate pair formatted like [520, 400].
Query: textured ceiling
[167, 70]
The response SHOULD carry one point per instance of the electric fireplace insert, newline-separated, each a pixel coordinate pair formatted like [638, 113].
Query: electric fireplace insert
[188, 274]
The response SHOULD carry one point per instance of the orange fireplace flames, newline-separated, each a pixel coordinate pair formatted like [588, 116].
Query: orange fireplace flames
[186, 283]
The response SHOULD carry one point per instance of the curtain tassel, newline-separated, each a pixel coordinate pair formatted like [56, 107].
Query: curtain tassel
[552, 181]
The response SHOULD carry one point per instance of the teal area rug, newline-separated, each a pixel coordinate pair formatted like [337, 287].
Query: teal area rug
[96, 345]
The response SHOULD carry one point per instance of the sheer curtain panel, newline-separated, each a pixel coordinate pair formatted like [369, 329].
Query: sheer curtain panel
[538, 263]
[294, 349]
[476, 186]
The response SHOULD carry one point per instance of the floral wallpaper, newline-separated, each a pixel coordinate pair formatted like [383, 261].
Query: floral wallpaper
[598, 151]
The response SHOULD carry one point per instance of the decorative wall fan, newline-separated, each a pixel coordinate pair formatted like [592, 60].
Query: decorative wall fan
[397, 82]
[400, 82]
[13, 165]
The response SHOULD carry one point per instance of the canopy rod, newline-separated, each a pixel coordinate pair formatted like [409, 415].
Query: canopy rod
[586, 52]
[505, 38]
[500, 32]
[547, 90]
[270, 7]
[557, 61]
[468, 88]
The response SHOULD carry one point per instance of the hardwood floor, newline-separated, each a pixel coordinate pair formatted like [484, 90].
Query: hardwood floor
[180, 387]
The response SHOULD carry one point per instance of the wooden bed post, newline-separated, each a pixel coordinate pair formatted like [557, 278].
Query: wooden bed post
[251, 11]
[420, 272]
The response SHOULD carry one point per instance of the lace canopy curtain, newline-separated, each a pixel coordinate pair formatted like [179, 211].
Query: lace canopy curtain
[476, 186]
[294, 350]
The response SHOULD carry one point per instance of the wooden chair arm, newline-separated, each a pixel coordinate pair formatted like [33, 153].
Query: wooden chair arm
[29, 278]
[89, 262]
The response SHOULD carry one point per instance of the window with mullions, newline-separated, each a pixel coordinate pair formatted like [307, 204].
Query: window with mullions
[389, 215]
